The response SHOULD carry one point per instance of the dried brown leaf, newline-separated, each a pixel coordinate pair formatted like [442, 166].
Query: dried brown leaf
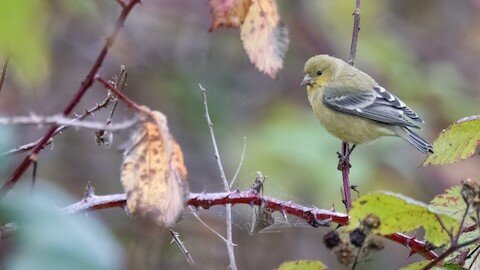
[153, 173]
[228, 13]
[265, 37]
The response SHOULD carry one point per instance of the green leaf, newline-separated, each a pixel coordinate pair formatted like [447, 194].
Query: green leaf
[421, 265]
[303, 265]
[415, 266]
[400, 214]
[48, 239]
[458, 142]
[23, 37]
[451, 203]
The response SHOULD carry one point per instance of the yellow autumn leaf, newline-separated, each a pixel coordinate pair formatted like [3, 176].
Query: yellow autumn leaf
[265, 37]
[228, 13]
[153, 173]
[458, 142]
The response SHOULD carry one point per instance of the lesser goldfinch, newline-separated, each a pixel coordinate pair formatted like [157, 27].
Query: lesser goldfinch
[354, 107]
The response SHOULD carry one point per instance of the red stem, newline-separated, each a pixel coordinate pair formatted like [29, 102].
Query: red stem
[251, 197]
[130, 103]
[345, 147]
[345, 177]
[85, 85]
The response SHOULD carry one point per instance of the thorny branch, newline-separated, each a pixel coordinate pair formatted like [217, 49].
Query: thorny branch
[228, 207]
[347, 196]
[60, 120]
[85, 85]
[251, 197]
[181, 246]
[87, 113]
[118, 93]
[102, 136]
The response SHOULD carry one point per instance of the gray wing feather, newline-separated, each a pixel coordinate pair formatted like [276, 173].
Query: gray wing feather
[378, 105]
[392, 100]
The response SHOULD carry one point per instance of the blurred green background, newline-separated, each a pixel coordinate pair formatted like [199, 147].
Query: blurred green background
[426, 52]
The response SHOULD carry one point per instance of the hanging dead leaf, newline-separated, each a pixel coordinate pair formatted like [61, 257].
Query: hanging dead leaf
[153, 173]
[265, 37]
[228, 13]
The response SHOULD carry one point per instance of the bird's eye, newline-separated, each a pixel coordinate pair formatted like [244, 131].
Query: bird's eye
[319, 72]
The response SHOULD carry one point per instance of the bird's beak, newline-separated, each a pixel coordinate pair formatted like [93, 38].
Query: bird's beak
[306, 80]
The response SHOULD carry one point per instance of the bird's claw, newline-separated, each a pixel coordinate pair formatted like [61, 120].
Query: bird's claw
[343, 161]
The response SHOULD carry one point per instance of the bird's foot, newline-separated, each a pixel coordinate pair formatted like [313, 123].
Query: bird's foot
[343, 161]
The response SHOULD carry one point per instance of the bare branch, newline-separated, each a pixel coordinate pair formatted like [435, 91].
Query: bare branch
[240, 163]
[59, 120]
[120, 85]
[195, 214]
[181, 246]
[356, 30]
[344, 165]
[228, 207]
[29, 146]
[130, 103]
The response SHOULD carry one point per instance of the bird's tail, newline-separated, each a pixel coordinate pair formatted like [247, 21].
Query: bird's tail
[415, 140]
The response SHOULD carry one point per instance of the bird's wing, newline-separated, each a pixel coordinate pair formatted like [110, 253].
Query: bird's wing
[378, 105]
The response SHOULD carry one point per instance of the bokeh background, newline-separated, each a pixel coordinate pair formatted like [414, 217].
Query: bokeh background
[426, 52]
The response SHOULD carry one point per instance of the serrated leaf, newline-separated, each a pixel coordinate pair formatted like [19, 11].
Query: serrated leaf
[265, 37]
[23, 38]
[421, 265]
[303, 265]
[228, 13]
[401, 214]
[451, 202]
[458, 142]
[153, 173]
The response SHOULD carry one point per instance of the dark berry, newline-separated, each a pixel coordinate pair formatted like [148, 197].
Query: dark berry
[331, 239]
[357, 237]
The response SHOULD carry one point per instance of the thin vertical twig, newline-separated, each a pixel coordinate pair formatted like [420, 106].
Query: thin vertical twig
[356, 30]
[4, 72]
[230, 245]
[345, 147]
[240, 163]
[120, 85]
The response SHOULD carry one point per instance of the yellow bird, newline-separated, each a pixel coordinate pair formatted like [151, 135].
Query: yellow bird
[354, 107]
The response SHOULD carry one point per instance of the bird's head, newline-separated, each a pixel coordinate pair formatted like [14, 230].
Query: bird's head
[319, 71]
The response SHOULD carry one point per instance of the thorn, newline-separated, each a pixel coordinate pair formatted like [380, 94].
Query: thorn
[125, 208]
[89, 191]
[412, 252]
